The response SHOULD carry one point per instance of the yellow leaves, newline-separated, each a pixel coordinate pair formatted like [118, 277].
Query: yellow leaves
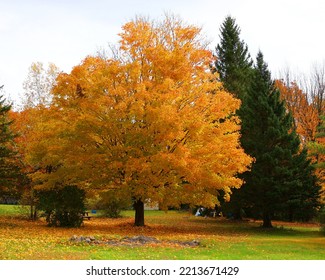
[186, 33]
[168, 49]
[153, 121]
[134, 35]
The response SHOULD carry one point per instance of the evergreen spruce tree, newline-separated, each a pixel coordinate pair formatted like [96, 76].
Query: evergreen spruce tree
[233, 62]
[9, 168]
[282, 181]
[280, 171]
[234, 66]
[302, 198]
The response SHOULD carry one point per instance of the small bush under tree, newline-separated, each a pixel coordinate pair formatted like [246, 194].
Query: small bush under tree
[63, 207]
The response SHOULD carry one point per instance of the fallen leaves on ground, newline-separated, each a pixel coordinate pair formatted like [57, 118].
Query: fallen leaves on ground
[23, 239]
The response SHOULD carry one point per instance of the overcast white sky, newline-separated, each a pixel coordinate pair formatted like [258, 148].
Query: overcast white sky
[290, 33]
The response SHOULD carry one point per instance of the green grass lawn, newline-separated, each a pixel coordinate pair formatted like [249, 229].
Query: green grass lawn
[219, 238]
[11, 210]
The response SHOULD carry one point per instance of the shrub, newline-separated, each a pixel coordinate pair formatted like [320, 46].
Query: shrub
[63, 207]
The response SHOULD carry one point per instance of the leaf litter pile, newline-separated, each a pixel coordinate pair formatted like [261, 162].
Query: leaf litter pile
[137, 240]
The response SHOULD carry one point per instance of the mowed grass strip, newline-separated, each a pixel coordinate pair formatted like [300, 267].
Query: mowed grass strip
[219, 238]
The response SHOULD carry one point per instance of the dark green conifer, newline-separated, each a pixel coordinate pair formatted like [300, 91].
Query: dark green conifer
[234, 66]
[233, 61]
[282, 183]
[9, 169]
[280, 171]
[301, 198]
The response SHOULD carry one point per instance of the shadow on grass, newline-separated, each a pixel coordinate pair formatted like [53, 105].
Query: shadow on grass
[246, 227]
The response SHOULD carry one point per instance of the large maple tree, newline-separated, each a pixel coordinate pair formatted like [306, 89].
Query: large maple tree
[152, 119]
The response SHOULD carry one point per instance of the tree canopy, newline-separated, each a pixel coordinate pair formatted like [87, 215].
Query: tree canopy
[152, 119]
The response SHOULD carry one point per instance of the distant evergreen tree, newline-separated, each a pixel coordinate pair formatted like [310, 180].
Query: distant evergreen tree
[280, 172]
[233, 62]
[9, 169]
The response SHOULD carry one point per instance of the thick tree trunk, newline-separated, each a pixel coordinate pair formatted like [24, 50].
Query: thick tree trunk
[139, 213]
[267, 223]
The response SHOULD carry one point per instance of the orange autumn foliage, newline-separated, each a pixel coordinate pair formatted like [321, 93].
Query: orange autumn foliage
[305, 115]
[152, 120]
